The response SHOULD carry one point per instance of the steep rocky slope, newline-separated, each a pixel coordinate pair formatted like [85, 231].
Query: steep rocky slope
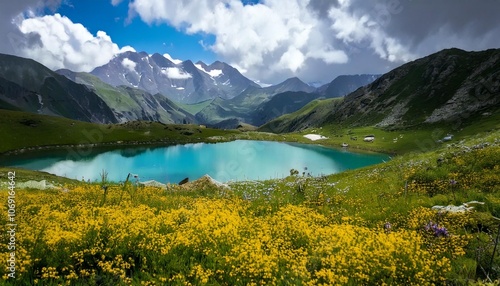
[449, 86]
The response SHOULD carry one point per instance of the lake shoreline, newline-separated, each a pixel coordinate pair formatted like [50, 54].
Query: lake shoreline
[218, 139]
[234, 158]
[34, 149]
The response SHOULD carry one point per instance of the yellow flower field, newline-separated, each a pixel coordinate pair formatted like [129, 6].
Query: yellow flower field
[70, 237]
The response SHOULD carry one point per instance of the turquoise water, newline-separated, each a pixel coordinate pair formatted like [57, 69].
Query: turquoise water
[237, 160]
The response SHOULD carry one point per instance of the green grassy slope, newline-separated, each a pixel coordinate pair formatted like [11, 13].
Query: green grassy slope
[24, 130]
[478, 154]
[452, 86]
[311, 112]
[218, 111]
[420, 138]
[410, 108]
[194, 108]
[32, 87]
[456, 83]
[131, 103]
[115, 98]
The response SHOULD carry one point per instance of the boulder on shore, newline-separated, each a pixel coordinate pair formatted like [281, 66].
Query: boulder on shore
[153, 183]
[205, 182]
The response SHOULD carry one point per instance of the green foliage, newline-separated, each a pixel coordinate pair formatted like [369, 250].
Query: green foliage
[195, 108]
[294, 172]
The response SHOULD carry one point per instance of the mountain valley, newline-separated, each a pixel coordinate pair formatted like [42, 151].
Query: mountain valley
[138, 86]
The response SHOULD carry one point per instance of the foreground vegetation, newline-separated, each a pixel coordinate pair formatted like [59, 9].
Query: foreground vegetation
[370, 226]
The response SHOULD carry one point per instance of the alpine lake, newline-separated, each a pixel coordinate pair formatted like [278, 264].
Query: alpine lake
[229, 161]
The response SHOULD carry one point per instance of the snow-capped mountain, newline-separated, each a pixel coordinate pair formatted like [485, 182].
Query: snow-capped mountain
[184, 82]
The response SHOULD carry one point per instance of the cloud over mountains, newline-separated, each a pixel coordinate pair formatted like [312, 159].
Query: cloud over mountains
[274, 35]
[269, 40]
[60, 43]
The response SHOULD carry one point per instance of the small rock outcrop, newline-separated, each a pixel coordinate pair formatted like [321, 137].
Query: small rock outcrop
[204, 183]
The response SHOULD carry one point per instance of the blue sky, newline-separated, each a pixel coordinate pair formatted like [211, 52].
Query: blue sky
[151, 38]
[267, 40]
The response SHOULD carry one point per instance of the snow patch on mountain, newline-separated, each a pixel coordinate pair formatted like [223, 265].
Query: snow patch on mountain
[200, 67]
[215, 73]
[262, 84]
[212, 73]
[175, 61]
[149, 62]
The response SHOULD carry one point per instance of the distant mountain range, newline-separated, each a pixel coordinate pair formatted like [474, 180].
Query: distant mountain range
[345, 84]
[138, 86]
[183, 82]
[257, 105]
[452, 86]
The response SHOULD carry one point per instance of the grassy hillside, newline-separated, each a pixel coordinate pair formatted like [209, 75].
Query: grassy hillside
[306, 116]
[113, 97]
[32, 87]
[217, 111]
[255, 105]
[452, 87]
[399, 141]
[130, 104]
[279, 104]
[25, 130]
[448, 86]
[195, 108]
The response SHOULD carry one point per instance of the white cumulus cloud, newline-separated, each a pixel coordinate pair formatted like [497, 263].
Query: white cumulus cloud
[292, 59]
[129, 64]
[64, 44]
[175, 73]
[273, 36]
[359, 28]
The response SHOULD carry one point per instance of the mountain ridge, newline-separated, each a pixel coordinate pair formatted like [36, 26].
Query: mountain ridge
[185, 82]
[28, 85]
[450, 86]
[256, 105]
[125, 103]
[345, 84]
[131, 104]
[446, 86]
